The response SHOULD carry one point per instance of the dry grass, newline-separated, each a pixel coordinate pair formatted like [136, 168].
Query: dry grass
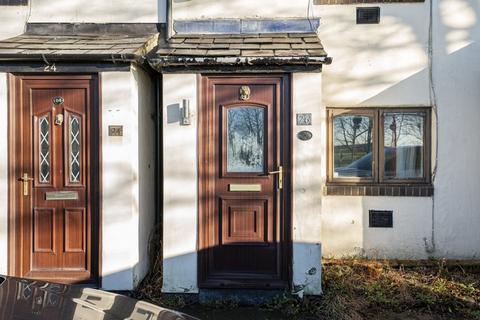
[361, 289]
[151, 286]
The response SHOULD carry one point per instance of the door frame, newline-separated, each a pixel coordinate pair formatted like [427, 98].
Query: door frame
[15, 90]
[204, 100]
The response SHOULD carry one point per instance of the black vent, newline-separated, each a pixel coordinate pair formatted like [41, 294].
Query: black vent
[13, 2]
[368, 15]
[380, 219]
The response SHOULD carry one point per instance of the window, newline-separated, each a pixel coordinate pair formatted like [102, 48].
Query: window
[375, 146]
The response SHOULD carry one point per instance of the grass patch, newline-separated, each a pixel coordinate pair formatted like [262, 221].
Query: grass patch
[360, 289]
[357, 289]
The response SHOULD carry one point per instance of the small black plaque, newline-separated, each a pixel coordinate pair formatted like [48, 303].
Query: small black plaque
[304, 135]
[380, 219]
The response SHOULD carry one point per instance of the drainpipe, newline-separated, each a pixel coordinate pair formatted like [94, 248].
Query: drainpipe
[169, 19]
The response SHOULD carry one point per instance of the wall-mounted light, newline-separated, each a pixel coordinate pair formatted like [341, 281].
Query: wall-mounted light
[186, 115]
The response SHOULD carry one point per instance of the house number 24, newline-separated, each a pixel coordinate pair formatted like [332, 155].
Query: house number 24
[50, 68]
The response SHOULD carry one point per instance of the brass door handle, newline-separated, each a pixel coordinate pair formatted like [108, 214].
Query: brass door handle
[280, 176]
[25, 179]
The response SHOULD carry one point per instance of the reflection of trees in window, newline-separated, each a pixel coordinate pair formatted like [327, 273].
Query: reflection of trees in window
[352, 138]
[403, 139]
[245, 139]
[403, 129]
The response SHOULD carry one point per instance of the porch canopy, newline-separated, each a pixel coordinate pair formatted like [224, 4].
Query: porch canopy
[240, 52]
[117, 43]
[52, 42]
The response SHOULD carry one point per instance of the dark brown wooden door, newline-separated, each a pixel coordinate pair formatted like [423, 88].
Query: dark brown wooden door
[244, 221]
[53, 179]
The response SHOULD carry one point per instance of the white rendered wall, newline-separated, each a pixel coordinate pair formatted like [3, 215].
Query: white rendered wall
[12, 20]
[375, 65]
[306, 186]
[144, 94]
[98, 11]
[3, 174]
[457, 82]
[179, 186]
[127, 223]
[379, 64]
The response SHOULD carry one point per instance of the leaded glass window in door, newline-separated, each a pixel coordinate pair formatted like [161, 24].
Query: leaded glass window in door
[74, 132]
[44, 149]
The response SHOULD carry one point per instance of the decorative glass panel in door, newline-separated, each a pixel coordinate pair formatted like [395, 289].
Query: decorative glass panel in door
[74, 152]
[245, 139]
[44, 141]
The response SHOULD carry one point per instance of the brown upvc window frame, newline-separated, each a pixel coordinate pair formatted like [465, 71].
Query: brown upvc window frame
[427, 134]
[378, 154]
[330, 163]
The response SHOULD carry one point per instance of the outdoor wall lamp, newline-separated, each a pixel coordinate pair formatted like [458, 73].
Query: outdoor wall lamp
[186, 115]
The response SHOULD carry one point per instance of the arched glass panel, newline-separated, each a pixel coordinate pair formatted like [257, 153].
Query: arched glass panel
[245, 139]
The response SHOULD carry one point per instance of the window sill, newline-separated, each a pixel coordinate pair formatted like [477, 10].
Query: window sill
[387, 190]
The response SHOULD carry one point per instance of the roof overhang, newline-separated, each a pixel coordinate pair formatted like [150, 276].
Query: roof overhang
[66, 42]
[187, 64]
[299, 51]
[49, 43]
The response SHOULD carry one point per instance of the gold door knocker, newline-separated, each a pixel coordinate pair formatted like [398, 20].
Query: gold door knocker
[244, 92]
[59, 119]
[25, 179]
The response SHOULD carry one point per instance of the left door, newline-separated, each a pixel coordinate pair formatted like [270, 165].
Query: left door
[53, 178]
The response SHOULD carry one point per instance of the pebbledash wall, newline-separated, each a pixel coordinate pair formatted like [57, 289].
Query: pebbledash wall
[388, 65]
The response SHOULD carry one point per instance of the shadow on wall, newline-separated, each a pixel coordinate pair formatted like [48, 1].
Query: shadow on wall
[180, 277]
[383, 68]
[369, 59]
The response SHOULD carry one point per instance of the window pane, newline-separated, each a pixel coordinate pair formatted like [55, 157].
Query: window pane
[74, 149]
[352, 146]
[245, 139]
[44, 150]
[403, 140]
